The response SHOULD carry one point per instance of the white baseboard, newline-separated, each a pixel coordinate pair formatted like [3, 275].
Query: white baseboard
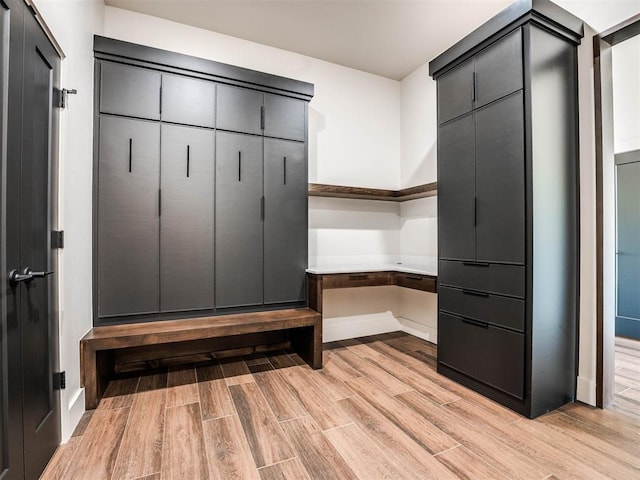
[75, 410]
[586, 391]
[340, 328]
[425, 332]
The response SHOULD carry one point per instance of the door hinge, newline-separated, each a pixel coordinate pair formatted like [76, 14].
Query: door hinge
[57, 239]
[59, 380]
[62, 96]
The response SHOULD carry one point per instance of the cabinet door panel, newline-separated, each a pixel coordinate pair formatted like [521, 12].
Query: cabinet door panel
[188, 101]
[455, 92]
[128, 176]
[130, 91]
[186, 225]
[491, 355]
[500, 181]
[284, 117]
[285, 225]
[239, 109]
[238, 220]
[499, 69]
[456, 178]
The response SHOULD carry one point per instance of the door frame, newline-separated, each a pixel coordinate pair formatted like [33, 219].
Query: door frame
[603, 90]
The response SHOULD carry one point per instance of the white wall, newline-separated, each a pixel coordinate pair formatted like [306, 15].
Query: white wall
[73, 23]
[626, 95]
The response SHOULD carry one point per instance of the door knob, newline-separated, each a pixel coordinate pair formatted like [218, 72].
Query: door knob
[33, 274]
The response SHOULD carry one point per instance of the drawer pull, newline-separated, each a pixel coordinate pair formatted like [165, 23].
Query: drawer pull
[358, 277]
[476, 264]
[475, 294]
[475, 323]
[413, 277]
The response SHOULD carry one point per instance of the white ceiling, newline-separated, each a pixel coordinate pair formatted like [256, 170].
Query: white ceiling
[385, 37]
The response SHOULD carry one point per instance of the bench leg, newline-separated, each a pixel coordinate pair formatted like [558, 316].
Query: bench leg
[97, 369]
[307, 342]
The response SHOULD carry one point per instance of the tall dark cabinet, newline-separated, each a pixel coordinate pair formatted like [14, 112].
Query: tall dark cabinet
[200, 186]
[508, 207]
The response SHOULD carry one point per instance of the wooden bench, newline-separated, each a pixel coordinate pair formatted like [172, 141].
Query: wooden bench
[303, 327]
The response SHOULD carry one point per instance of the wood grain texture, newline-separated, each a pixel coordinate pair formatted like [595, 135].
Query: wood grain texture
[215, 399]
[182, 387]
[287, 470]
[61, 459]
[369, 369]
[228, 452]
[315, 452]
[266, 440]
[467, 466]
[363, 193]
[141, 450]
[96, 454]
[183, 454]
[281, 400]
[119, 393]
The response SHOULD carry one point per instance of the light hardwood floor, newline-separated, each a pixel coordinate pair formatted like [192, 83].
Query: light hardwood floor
[378, 409]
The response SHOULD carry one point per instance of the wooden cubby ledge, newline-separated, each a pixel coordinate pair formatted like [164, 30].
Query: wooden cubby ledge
[340, 191]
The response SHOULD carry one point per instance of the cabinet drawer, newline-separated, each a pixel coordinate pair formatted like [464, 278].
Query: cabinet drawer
[483, 277]
[284, 117]
[493, 309]
[415, 281]
[491, 355]
[130, 91]
[347, 280]
[239, 109]
[188, 101]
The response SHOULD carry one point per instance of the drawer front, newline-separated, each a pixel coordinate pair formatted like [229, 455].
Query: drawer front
[416, 282]
[348, 280]
[130, 91]
[502, 311]
[488, 354]
[483, 277]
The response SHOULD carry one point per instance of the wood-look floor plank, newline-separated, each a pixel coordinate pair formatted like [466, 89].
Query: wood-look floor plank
[61, 460]
[182, 386]
[267, 441]
[335, 388]
[141, 449]
[96, 454]
[431, 438]
[119, 393]
[339, 368]
[366, 459]
[153, 380]
[606, 419]
[394, 353]
[83, 423]
[414, 380]
[368, 368]
[467, 466]
[206, 372]
[280, 359]
[407, 455]
[228, 452]
[215, 399]
[281, 400]
[156, 476]
[316, 453]
[363, 350]
[478, 414]
[183, 450]
[287, 470]
[313, 398]
[501, 455]
[235, 371]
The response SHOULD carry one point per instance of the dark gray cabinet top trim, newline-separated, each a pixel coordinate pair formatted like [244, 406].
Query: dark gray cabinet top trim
[108, 49]
[543, 12]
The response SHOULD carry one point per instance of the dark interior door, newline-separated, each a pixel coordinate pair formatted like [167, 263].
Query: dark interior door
[33, 409]
[628, 245]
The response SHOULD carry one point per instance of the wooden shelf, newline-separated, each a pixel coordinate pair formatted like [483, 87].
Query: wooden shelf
[339, 191]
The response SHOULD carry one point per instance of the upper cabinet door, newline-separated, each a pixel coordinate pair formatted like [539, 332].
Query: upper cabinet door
[285, 221]
[186, 227]
[188, 101]
[238, 220]
[130, 91]
[128, 182]
[239, 109]
[499, 69]
[455, 92]
[456, 189]
[500, 226]
[284, 117]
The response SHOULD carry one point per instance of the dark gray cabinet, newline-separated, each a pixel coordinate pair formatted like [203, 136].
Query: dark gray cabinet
[200, 187]
[128, 220]
[129, 91]
[239, 214]
[188, 101]
[507, 207]
[186, 224]
[285, 221]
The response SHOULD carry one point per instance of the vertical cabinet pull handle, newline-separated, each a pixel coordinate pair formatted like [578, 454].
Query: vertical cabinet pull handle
[475, 211]
[262, 117]
[473, 87]
[262, 208]
[239, 166]
[188, 158]
[159, 201]
[130, 154]
[285, 170]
